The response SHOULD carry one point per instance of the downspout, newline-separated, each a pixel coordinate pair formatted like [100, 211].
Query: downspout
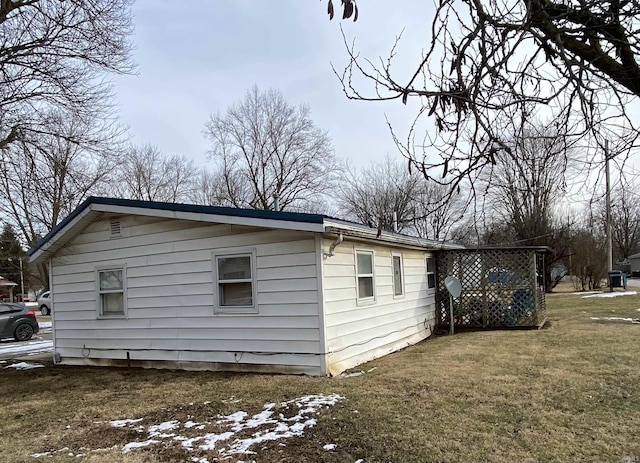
[333, 246]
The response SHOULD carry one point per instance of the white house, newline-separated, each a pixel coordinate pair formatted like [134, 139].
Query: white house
[634, 264]
[197, 287]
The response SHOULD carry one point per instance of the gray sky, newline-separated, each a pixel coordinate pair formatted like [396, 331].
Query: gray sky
[196, 58]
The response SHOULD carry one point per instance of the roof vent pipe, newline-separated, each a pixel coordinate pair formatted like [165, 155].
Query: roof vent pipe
[395, 222]
[276, 203]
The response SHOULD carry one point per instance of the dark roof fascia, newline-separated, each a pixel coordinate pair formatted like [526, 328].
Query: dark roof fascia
[177, 207]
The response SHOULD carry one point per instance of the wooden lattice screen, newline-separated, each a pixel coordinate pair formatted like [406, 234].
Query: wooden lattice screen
[500, 288]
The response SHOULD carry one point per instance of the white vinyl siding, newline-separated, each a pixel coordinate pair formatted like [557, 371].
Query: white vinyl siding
[357, 333]
[171, 297]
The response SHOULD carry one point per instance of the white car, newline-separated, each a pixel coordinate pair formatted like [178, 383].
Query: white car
[44, 302]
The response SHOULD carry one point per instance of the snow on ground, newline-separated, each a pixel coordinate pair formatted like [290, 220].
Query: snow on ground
[45, 325]
[25, 366]
[274, 422]
[612, 294]
[617, 319]
[29, 347]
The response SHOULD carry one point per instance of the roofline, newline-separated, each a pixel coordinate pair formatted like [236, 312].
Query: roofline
[371, 234]
[256, 217]
[93, 206]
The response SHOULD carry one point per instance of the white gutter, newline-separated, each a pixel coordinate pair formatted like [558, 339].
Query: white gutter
[338, 227]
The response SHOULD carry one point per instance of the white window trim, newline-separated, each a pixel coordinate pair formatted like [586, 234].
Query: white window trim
[125, 308]
[427, 273]
[235, 309]
[369, 299]
[402, 276]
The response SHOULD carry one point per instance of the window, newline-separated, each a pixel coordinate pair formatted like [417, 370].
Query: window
[364, 270]
[235, 282]
[431, 272]
[398, 278]
[111, 292]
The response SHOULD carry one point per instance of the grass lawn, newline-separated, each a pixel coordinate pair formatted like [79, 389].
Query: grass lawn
[569, 392]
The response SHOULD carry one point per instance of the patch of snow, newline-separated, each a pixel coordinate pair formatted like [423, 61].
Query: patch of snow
[136, 445]
[266, 427]
[25, 366]
[35, 347]
[612, 294]
[618, 319]
[166, 426]
[45, 325]
[123, 423]
[328, 447]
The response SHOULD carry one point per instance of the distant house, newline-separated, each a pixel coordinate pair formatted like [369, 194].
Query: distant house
[197, 287]
[634, 264]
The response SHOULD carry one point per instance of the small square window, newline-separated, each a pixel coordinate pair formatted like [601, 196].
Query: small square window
[398, 278]
[111, 292]
[235, 282]
[364, 270]
[431, 273]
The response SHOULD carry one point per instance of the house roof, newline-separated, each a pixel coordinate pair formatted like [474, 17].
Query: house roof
[93, 207]
[635, 256]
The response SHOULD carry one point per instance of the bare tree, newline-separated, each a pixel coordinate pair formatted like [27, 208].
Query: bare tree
[372, 195]
[437, 211]
[47, 174]
[491, 66]
[149, 175]
[265, 147]
[523, 189]
[53, 54]
[526, 182]
[625, 219]
[588, 261]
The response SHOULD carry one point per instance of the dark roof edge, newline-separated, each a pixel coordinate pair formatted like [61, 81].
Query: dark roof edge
[179, 207]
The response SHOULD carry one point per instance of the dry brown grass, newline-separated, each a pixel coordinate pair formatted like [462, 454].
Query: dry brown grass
[566, 393]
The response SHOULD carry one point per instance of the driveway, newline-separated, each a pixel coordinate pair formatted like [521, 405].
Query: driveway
[633, 283]
[39, 344]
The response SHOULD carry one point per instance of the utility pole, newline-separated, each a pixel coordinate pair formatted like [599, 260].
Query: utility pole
[608, 207]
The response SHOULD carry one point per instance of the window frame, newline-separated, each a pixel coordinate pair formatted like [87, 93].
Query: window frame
[399, 256]
[235, 309]
[431, 289]
[368, 299]
[99, 292]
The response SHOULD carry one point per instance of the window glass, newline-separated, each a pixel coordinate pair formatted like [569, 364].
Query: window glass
[397, 275]
[111, 292]
[431, 272]
[365, 263]
[364, 269]
[234, 268]
[111, 280]
[235, 281]
[365, 287]
[239, 294]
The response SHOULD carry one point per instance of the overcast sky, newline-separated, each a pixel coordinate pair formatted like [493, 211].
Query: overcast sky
[196, 58]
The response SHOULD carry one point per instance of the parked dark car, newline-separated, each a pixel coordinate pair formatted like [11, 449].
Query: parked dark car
[17, 321]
